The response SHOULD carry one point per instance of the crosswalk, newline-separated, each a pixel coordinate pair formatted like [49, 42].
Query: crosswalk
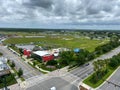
[35, 80]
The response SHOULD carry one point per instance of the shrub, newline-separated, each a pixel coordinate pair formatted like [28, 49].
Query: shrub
[20, 72]
[52, 62]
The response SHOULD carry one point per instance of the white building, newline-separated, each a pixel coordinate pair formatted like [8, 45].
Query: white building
[4, 69]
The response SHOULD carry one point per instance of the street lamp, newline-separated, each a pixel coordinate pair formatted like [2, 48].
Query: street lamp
[58, 66]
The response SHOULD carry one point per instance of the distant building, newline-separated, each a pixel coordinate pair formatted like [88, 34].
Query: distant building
[4, 69]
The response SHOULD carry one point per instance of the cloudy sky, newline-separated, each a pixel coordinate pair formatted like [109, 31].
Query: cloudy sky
[58, 13]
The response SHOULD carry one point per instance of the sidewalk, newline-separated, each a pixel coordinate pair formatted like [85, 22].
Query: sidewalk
[14, 87]
[59, 72]
[19, 85]
[29, 61]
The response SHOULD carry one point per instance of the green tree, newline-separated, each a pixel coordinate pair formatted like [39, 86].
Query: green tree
[113, 63]
[21, 50]
[12, 64]
[20, 72]
[52, 62]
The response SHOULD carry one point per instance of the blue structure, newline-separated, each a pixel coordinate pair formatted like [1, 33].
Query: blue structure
[76, 50]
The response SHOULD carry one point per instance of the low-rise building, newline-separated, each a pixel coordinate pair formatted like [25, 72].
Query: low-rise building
[4, 69]
[44, 55]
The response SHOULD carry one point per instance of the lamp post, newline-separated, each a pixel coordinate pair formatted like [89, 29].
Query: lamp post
[58, 67]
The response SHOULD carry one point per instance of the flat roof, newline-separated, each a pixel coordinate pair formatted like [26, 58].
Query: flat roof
[41, 53]
[29, 47]
[3, 64]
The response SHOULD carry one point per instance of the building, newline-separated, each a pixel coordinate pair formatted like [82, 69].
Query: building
[44, 55]
[76, 50]
[4, 69]
[26, 49]
[27, 52]
[55, 52]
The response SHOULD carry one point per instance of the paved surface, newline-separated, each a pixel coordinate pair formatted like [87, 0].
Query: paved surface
[114, 79]
[14, 87]
[66, 81]
[57, 82]
[27, 69]
[74, 77]
[83, 71]
[109, 54]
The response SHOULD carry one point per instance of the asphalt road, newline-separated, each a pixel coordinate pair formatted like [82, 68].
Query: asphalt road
[115, 80]
[57, 82]
[109, 54]
[28, 71]
[83, 71]
[74, 77]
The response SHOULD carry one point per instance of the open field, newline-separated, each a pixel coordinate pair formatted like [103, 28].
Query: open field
[60, 41]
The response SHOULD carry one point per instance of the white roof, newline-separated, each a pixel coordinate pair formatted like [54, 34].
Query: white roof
[1, 62]
[41, 53]
[3, 65]
[56, 54]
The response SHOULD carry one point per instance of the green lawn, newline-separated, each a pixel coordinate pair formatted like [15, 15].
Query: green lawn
[87, 80]
[10, 80]
[67, 41]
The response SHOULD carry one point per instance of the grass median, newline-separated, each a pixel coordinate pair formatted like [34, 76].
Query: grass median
[95, 85]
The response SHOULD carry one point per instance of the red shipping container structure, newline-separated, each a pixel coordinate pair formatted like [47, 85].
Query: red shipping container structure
[47, 58]
[27, 52]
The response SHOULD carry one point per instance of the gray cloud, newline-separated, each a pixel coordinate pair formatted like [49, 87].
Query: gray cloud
[59, 11]
[46, 4]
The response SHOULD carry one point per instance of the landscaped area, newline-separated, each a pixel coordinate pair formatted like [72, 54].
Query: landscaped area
[103, 69]
[92, 49]
[10, 80]
[95, 85]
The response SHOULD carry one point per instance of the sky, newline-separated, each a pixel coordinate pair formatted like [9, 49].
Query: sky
[60, 14]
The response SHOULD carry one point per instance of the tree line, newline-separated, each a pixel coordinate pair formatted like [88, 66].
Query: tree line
[102, 67]
[72, 59]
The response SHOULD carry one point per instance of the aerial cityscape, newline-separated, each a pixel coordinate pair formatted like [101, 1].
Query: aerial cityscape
[59, 45]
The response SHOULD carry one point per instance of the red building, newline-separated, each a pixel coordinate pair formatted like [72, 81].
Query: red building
[27, 52]
[46, 56]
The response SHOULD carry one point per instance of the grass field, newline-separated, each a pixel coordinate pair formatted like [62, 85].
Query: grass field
[60, 41]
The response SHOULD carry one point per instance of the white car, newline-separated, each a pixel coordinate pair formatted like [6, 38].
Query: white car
[52, 88]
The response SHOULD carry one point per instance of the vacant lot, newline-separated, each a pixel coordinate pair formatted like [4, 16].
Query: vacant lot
[60, 41]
